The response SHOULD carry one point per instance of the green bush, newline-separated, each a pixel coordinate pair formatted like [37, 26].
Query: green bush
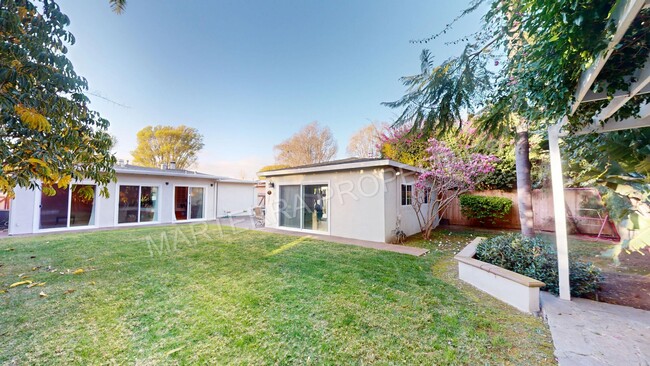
[484, 208]
[536, 258]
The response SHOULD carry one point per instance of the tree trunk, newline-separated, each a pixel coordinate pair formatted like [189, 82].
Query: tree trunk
[524, 184]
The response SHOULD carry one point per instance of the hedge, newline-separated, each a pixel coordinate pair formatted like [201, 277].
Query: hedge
[536, 258]
[484, 208]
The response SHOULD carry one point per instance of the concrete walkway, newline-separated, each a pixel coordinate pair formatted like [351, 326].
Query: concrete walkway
[248, 223]
[403, 249]
[587, 332]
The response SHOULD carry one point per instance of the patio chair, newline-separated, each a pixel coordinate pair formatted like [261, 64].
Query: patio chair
[258, 213]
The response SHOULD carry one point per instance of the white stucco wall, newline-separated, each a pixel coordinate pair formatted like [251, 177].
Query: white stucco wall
[21, 212]
[235, 199]
[356, 202]
[408, 217]
[24, 214]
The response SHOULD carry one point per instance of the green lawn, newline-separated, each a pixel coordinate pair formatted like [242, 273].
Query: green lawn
[244, 297]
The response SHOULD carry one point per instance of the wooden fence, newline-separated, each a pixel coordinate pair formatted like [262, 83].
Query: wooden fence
[582, 217]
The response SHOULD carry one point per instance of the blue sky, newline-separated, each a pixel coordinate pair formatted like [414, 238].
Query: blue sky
[249, 74]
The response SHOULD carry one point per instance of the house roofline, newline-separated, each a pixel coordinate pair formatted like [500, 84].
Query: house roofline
[338, 167]
[181, 174]
[168, 173]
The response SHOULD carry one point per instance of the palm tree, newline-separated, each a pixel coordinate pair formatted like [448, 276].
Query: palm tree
[118, 6]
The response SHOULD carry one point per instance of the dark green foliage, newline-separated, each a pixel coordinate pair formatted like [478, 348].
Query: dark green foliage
[618, 157]
[524, 65]
[485, 208]
[504, 176]
[536, 258]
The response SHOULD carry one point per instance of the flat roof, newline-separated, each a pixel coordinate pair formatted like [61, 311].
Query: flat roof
[338, 165]
[141, 170]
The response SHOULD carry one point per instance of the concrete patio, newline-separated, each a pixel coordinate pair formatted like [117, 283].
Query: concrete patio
[587, 332]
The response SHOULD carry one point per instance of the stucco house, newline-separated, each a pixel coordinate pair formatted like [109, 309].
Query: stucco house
[140, 196]
[352, 198]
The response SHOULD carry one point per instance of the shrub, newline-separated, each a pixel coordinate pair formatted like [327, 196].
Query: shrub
[536, 258]
[485, 208]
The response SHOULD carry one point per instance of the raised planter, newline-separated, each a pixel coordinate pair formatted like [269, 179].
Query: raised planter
[513, 288]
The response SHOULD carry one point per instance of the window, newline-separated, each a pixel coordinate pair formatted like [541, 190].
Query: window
[427, 193]
[69, 207]
[407, 194]
[189, 203]
[137, 204]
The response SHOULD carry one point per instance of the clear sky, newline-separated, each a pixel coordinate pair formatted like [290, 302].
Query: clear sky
[249, 74]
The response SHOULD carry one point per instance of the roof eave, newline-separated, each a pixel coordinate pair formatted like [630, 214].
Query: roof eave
[166, 174]
[338, 167]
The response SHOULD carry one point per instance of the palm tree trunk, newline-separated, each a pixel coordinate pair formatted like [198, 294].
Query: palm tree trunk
[524, 181]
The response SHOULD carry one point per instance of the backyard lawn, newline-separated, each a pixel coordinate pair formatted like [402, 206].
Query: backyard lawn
[240, 297]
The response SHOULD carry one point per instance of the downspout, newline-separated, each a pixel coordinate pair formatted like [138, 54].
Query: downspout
[216, 199]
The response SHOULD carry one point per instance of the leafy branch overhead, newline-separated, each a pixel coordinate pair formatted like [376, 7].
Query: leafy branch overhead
[526, 59]
[49, 133]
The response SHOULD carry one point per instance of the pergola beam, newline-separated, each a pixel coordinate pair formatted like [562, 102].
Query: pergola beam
[612, 125]
[561, 239]
[623, 15]
[594, 97]
[642, 77]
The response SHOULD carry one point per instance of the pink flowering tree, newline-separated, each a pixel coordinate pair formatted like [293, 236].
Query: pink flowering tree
[448, 176]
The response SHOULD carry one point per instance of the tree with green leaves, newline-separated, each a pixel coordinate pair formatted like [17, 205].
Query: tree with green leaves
[158, 145]
[519, 73]
[50, 136]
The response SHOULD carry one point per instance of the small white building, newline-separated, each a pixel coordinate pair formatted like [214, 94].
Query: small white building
[351, 198]
[140, 196]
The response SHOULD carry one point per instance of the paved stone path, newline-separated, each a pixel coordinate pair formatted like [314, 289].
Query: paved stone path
[247, 223]
[587, 332]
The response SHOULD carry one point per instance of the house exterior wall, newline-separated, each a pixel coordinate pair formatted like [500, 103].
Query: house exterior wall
[25, 213]
[235, 199]
[394, 208]
[166, 196]
[356, 202]
[22, 212]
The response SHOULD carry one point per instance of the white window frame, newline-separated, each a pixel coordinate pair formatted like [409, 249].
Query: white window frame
[38, 204]
[302, 218]
[189, 212]
[139, 185]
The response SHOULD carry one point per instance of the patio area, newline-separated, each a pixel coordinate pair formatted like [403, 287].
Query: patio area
[587, 332]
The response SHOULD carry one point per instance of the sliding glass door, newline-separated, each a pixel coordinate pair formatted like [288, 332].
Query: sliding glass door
[82, 205]
[315, 207]
[304, 207]
[54, 209]
[290, 206]
[68, 207]
[189, 203]
[137, 204]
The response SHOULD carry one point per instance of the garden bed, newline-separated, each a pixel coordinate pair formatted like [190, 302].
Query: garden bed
[513, 288]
